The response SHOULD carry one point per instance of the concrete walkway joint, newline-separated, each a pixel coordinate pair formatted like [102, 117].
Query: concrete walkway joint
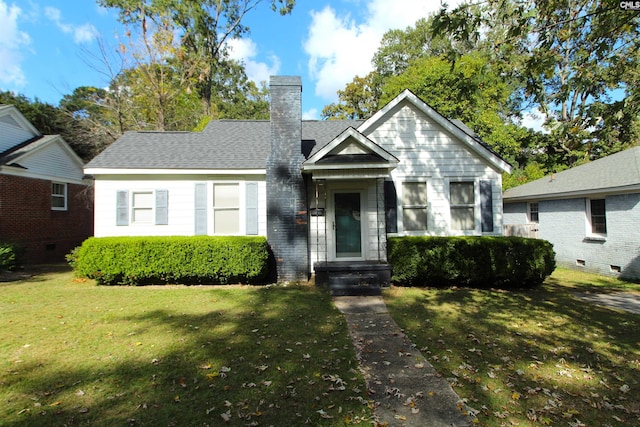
[406, 389]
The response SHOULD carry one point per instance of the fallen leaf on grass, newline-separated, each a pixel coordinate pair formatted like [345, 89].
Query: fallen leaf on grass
[324, 414]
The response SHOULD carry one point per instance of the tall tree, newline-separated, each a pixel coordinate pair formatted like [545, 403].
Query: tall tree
[573, 58]
[158, 82]
[205, 27]
[398, 49]
[358, 100]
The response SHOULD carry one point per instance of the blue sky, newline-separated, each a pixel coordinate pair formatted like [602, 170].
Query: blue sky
[44, 44]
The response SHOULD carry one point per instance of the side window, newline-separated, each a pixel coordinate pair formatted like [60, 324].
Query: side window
[142, 207]
[533, 212]
[462, 204]
[226, 208]
[597, 216]
[414, 206]
[58, 196]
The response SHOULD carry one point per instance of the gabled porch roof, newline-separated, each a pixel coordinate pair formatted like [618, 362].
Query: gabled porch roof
[351, 152]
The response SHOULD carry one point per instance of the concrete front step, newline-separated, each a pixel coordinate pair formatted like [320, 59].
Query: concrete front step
[353, 278]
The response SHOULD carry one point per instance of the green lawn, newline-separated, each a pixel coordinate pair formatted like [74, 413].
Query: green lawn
[73, 353]
[531, 357]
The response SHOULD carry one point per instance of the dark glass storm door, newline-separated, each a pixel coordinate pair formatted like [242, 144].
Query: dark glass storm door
[348, 225]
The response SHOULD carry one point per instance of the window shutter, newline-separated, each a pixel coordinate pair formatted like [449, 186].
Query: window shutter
[122, 208]
[200, 209]
[391, 206]
[486, 205]
[162, 207]
[252, 207]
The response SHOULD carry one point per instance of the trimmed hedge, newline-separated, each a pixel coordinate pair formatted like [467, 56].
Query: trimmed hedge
[177, 259]
[506, 262]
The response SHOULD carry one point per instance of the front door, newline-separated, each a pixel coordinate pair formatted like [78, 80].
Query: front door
[347, 225]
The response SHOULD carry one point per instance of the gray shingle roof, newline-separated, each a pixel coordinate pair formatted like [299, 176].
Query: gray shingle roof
[615, 173]
[224, 144]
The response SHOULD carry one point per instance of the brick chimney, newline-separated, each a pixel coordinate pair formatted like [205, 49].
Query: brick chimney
[286, 190]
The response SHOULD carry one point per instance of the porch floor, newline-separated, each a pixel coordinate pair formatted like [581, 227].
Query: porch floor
[353, 277]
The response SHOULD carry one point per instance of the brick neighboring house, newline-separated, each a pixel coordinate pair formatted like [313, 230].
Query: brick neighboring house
[45, 204]
[591, 214]
[326, 194]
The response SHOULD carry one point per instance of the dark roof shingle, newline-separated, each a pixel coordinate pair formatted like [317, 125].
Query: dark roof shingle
[224, 144]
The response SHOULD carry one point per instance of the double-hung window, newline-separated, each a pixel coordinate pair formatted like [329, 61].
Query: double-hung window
[226, 208]
[414, 206]
[142, 207]
[597, 216]
[462, 204]
[58, 196]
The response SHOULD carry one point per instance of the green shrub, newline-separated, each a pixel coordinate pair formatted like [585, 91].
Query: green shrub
[175, 259]
[507, 262]
[10, 256]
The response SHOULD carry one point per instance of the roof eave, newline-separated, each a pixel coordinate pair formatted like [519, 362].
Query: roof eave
[168, 171]
[626, 189]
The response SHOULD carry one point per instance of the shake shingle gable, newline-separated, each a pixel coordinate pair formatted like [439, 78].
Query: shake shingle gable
[224, 144]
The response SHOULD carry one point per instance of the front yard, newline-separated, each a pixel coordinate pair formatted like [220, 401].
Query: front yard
[73, 353]
[531, 357]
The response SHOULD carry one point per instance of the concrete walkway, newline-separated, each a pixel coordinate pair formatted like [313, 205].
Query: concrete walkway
[627, 301]
[406, 389]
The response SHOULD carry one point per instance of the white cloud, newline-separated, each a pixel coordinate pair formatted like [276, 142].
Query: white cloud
[81, 33]
[245, 50]
[534, 119]
[12, 42]
[311, 114]
[340, 47]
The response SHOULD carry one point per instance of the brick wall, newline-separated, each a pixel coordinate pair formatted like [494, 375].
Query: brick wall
[286, 190]
[565, 224]
[26, 218]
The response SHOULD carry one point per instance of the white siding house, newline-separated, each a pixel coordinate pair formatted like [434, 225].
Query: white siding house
[590, 213]
[322, 192]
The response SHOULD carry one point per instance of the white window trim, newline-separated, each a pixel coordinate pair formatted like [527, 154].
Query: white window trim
[133, 207]
[401, 206]
[590, 235]
[476, 205]
[240, 208]
[64, 196]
